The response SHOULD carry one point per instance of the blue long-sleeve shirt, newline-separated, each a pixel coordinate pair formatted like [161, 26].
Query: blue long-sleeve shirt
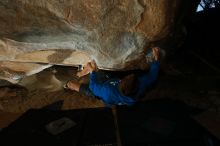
[109, 92]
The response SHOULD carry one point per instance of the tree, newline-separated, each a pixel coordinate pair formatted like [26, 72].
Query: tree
[208, 4]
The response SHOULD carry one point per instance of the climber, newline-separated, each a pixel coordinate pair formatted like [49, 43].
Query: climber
[115, 91]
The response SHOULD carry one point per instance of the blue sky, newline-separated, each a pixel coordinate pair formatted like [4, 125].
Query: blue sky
[199, 8]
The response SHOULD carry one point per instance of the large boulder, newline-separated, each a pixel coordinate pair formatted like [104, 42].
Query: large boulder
[14, 71]
[115, 33]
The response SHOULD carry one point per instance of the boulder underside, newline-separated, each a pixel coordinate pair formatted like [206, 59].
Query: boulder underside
[36, 34]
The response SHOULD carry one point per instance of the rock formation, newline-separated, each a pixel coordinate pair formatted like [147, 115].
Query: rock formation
[115, 33]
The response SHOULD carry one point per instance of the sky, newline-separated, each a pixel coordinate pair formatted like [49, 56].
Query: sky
[199, 8]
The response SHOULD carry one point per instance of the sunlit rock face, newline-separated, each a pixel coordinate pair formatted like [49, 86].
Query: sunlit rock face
[115, 33]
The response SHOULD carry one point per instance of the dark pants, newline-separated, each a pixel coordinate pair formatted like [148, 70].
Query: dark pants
[84, 88]
[103, 76]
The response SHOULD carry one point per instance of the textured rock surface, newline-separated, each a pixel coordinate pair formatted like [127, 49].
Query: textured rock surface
[72, 32]
[14, 71]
